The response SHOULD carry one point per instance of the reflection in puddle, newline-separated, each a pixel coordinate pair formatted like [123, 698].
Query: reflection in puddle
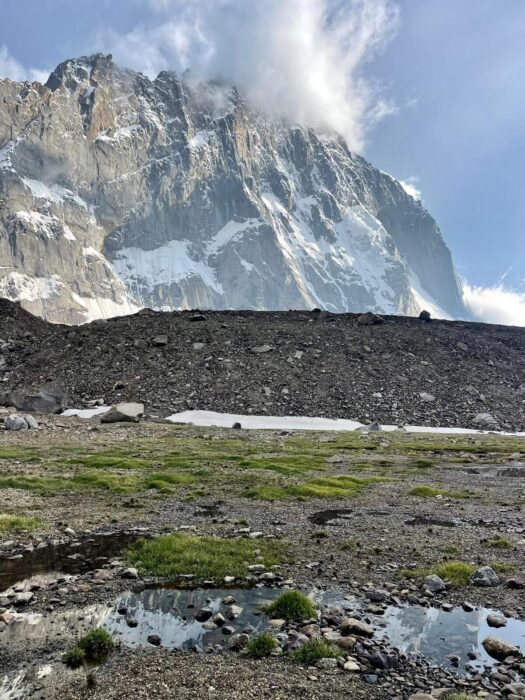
[168, 613]
[85, 554]
[437, 634]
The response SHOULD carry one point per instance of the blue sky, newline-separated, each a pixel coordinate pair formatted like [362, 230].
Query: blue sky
[445, 76]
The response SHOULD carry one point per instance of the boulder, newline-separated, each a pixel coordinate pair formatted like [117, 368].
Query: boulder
[485, 577]
[352, 625]
[124, 413]
[434, 584]
[15, 423]
[47, 399]
[499, 649]
[369, 319]
[425, 316]
[485, 421]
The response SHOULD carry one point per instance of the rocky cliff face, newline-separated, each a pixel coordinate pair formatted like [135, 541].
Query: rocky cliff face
[118, 192]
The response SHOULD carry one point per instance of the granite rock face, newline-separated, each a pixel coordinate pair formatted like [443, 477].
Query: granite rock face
[119, 192]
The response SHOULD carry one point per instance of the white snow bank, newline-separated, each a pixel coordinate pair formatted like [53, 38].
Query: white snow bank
[226, 420]
[86, 412]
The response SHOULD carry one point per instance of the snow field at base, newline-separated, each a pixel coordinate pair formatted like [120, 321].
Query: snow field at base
[213, 419]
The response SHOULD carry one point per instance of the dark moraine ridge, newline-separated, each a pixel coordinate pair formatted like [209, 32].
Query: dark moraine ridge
[319, 364]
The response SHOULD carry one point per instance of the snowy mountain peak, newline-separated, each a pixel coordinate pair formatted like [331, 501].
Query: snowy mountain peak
[122, 192]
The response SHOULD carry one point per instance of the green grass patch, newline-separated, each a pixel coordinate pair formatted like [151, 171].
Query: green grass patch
[207, 558]
[502, 568]
[432, 492]
[314, 650]
[421, 463]
[165, 481]
[451, 549]
[292, 606]
[499, 543]
[457, 572]
[16, 523]
[116, 483]
[350, 545]
[261, 646]
[267, 493]
[285, 465]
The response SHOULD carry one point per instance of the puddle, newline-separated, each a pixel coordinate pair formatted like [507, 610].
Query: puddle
[326, 517]
[435, 634]
[85, 554]
[428, 520]
[133, 617]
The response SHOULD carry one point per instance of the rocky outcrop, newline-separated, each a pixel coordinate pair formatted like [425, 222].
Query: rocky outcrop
[119, 192]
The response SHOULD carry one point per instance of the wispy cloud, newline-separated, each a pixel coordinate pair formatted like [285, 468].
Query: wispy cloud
[302, 59]
[495, 304]
[13, 69]
[411, 188]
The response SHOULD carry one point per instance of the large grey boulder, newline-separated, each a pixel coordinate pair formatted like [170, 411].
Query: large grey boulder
[47, 399]
[124, 413]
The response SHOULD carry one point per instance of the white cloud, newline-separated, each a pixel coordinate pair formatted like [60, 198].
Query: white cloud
[409, 185]
[301, 59]
[495, 304]
[11, 68]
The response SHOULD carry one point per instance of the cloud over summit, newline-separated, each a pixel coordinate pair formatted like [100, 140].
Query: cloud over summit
[301, 59]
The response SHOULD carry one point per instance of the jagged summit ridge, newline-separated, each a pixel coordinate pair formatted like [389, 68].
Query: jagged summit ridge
[121, 192]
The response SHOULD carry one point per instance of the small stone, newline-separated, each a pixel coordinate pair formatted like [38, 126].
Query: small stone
[352, 666]
[130, 573]
[261, 349]
[155, 640]
[326, 664]
[354, 626]
[495, 620]
[427, 398]
[434, 584]
[160, 341]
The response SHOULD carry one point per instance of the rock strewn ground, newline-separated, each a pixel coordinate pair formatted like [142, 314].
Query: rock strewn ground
[400, 371]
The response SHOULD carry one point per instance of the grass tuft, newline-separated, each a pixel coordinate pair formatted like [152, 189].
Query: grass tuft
[96, 645]
[314, 650]
[261, 646]
[292, 606]
[74, 657]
